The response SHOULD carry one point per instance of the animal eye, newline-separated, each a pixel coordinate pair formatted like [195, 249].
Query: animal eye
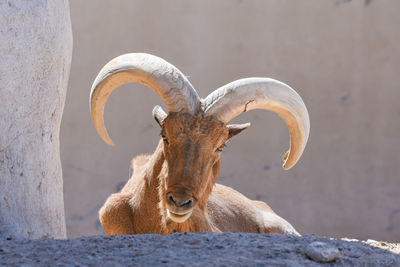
[166, 140]
[164, 137]
[220, 148]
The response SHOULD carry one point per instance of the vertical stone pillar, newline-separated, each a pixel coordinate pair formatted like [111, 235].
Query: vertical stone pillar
[35, 59]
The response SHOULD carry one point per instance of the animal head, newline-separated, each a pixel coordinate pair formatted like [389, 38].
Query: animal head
[195, 131]
[192, 148]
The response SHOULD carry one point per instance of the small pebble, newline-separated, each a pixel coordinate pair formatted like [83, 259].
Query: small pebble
[322, 252]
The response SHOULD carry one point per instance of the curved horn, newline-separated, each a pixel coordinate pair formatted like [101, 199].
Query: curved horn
[165, 79]
[243, 95]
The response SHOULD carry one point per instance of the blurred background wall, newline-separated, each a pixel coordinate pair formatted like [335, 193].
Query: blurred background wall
[342, 57]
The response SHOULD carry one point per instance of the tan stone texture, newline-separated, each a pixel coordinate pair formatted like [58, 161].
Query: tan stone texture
[35, 59]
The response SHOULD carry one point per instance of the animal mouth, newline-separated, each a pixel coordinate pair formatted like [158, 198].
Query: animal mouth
[179, 217]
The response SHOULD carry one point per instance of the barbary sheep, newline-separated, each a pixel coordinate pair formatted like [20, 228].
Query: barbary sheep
[175, 189]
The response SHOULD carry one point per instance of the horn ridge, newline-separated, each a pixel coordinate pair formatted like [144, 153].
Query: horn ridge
[165, 79]
[247, 94]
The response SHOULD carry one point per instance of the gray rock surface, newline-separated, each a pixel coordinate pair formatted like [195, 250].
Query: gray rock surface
[35, 58]
[190, 249]
[322, 252]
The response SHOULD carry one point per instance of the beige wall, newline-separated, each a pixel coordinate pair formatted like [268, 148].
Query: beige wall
[342, 58]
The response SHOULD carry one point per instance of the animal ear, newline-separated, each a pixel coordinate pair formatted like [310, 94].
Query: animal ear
[159, 115]
[235, 129]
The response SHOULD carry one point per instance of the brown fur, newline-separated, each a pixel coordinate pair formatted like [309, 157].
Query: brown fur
[186, 164]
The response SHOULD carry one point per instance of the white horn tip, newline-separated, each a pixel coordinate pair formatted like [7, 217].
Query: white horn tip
[108, 141]
[285, 158]
[111, 143]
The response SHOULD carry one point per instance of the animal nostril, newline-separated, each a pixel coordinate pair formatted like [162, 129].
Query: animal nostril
[185, 203]
[180, 203]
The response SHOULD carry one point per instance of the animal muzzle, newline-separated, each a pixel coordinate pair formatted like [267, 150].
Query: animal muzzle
[179, 207]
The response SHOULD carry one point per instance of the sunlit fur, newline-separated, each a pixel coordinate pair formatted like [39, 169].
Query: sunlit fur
[186, 164]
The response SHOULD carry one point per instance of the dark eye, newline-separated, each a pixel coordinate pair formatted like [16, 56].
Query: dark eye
[220, 148]
[164, 137]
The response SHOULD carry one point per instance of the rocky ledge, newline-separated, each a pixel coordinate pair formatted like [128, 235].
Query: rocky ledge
[198, 249]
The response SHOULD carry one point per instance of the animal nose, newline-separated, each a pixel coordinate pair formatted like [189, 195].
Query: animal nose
[180, 202]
